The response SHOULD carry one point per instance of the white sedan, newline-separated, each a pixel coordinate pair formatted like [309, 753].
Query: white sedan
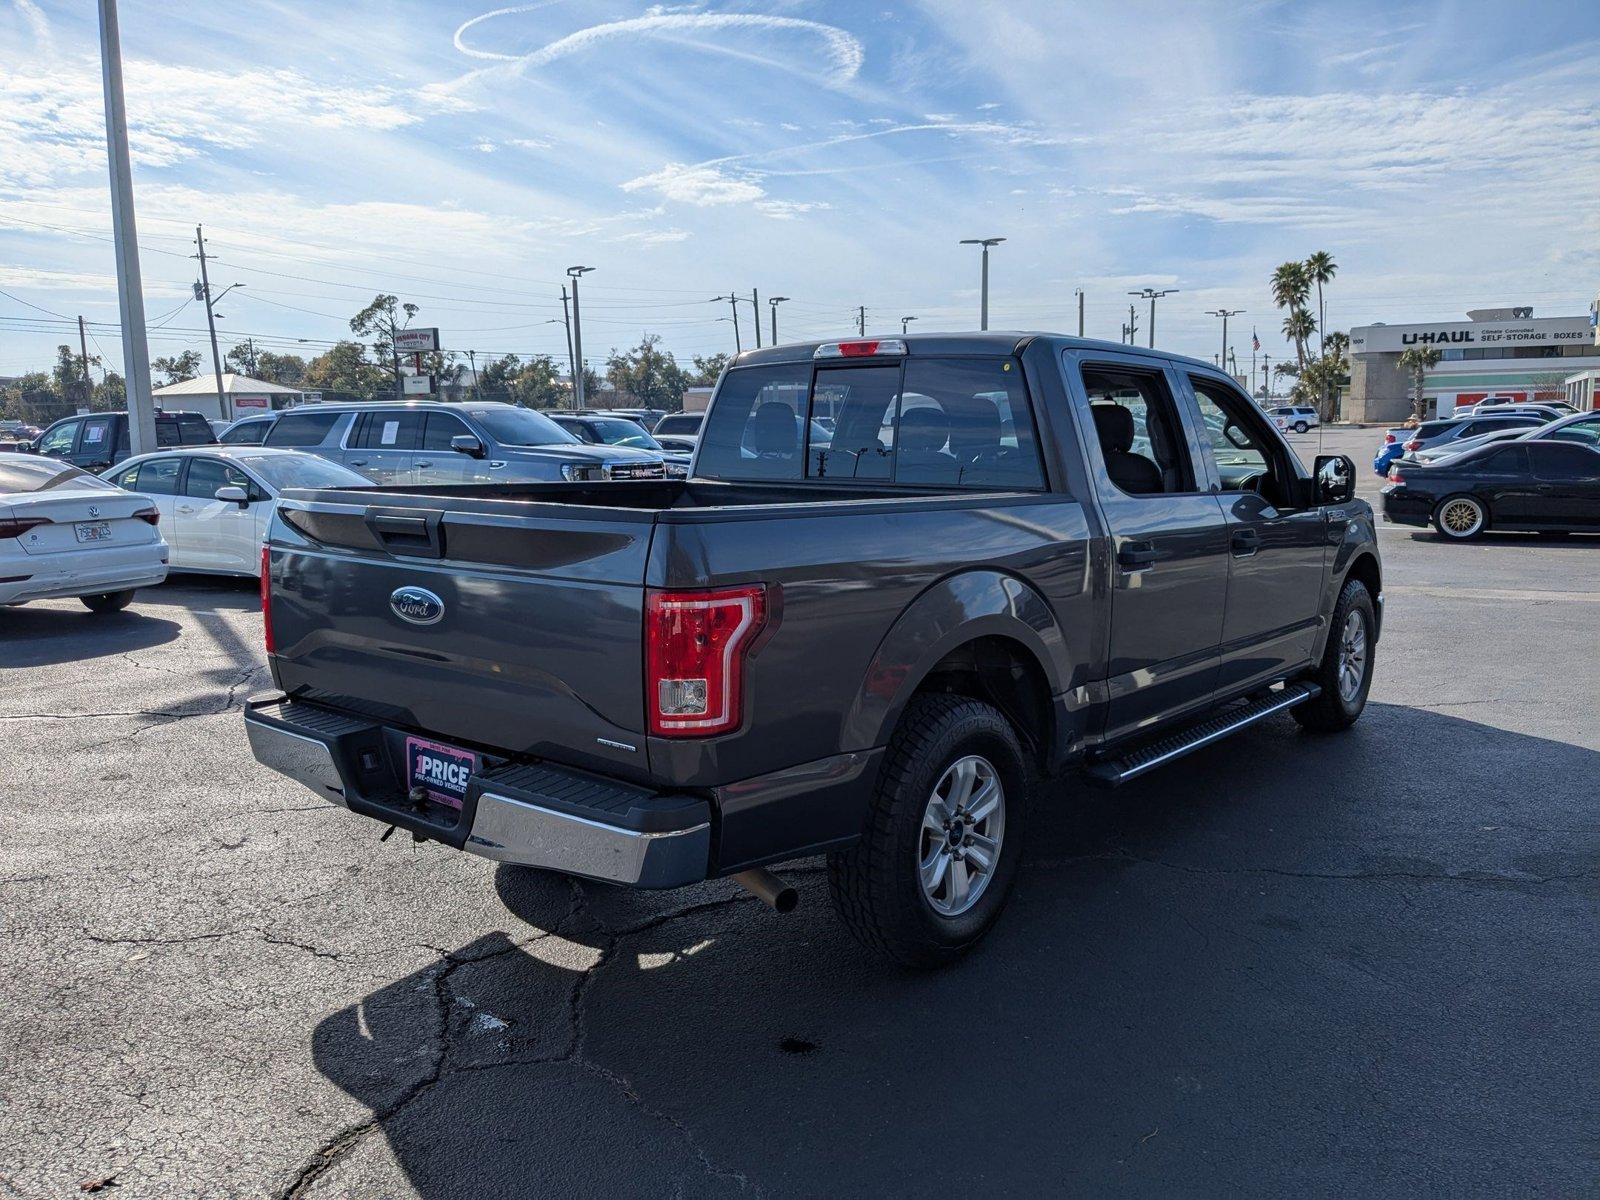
[216, 501]
[65, 533]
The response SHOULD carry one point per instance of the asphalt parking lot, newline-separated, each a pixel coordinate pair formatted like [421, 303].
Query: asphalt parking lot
[1363, 964]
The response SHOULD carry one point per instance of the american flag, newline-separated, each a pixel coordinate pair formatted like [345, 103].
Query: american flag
[1255, 342]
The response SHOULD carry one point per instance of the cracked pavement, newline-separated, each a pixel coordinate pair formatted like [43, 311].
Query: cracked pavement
[1362, 964]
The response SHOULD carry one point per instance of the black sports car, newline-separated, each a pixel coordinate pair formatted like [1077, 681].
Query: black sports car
[1546, 486]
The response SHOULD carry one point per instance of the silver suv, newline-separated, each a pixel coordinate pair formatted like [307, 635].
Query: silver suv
[432, 442]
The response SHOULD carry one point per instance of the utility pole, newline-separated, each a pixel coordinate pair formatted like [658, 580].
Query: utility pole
[1266, 376]
[861, 321]
[755, 315]
[1131, 329]
[250, 350]
[983, 304]
[733, 306]
[1079, 293]
[224, 402]
[83, 345]
[566, 319]
[773, 302]
[1152, 295]
[472, 357]
[130, 288]
[1224, 313]
[577, 273]
[905, 321]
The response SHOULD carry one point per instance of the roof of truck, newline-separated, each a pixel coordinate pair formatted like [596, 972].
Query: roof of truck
[992, 342]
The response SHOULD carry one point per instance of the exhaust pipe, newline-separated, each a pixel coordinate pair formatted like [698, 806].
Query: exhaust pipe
[769, 889]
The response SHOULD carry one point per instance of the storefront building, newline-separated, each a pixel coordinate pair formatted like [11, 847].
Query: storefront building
[1495, 352]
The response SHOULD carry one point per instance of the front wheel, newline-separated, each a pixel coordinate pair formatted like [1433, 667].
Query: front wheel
[108, 602]
[1460, 518]
[1301, 427]
[1345, 673]
[935, 864]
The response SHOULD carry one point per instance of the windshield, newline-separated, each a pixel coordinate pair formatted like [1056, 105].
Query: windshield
[42, 476]
[301, 471]
[617, 432]
[521, 427]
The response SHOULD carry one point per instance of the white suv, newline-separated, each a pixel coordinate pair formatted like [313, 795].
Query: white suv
[1298, 417]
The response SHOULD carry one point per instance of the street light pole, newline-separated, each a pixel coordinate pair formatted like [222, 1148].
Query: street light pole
[983, 305]
[575, 274]
[130, 288]
[755, 314]
[1224, 313]
[1152, 295]
[904, 321]
[224, 402]
[774, 301]
[1079, 293]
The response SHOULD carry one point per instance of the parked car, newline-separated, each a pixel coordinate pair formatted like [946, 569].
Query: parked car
[677, 443]
[1431, 435]
[64, 532]
[1547, 485]
[1394, 445]
[95, 441]
[1298, 417]
[432, 442]
[866, 649]
[679, 422]
[1466, 445]
[1580, 427]
[249, 431]
[215, 503]
[604, 429]
[1549, 410]
[1501, 403]
[644, 416]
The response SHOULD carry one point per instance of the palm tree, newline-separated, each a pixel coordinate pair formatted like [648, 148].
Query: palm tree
[1291, 286]
[1298, 327]
[1320, 269]
[1417, 360]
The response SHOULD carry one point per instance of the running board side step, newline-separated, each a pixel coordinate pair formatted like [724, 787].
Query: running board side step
[1110, 772]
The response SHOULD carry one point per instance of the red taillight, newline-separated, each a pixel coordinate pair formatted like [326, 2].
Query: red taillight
[1394, 475]
[17, 526]
[1413, 445]
[1388, 439]
[151, 514]
[695, 645]
[266, 597]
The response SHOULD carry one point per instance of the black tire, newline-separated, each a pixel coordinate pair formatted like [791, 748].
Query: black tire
[108, 602]
[1450, 519]
[877, 883]
[1334, 709]
[1301, 427]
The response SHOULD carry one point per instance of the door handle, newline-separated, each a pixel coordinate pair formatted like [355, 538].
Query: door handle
[185, 509]
[1136, 556]
[422, 464]
[1244, 542]
[358, 462]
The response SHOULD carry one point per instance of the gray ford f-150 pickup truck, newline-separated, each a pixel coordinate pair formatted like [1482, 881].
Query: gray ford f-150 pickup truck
[1017, 557]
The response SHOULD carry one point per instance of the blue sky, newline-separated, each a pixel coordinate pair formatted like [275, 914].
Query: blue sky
[1447, 154]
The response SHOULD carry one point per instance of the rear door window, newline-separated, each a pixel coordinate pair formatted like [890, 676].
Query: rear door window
[158, 477]
[388, 431]
[302, 428]
[167, 431]
[96, 435]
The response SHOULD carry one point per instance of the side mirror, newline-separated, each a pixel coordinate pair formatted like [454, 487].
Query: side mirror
[234, 494]
[466, 443]
[1335, 479]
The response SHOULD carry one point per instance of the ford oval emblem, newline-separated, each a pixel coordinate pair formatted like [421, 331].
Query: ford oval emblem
[417, 605]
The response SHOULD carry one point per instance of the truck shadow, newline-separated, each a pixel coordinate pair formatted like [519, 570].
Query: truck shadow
[1290, 960]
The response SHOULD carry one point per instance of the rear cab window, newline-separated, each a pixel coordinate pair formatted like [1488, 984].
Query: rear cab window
[964, 423]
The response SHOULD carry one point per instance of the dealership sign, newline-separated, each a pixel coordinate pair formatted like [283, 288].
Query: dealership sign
[1488, 335]
[416, 341]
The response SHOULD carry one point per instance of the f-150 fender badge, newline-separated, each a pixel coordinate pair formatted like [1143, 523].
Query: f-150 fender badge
[416, 605]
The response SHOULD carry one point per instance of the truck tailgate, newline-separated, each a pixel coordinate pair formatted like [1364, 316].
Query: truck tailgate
[515, 633]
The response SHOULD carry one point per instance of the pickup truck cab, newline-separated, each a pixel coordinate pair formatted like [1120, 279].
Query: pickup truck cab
[1016, 557]
[430, 442]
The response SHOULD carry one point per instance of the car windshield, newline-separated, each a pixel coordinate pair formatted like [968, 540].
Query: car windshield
[301, 471]
[521, 427]
[41, 476]
[617, 432]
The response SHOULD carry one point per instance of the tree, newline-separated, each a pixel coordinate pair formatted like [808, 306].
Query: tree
[381, 320]
[707, 368]
[344, 368]
[1290, 286]
[242, 360]
[287, 369]
[652, 376]
[177, 369]
[1298, 327]
[1320, 269]
[1417, 360]
[67, 377]
[110, 394]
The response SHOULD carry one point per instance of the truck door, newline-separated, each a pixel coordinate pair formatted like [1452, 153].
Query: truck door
[1169, 553]
[1277, 546]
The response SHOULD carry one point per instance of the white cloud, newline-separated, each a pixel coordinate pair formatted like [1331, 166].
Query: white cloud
[701, 185]
[788, 210]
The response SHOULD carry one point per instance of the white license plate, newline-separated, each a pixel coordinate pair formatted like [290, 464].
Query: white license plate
[93, 531]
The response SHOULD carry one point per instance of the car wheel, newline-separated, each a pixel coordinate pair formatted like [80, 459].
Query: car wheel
[1345, 673]
[1460, 518]
[1301, 427]
[936, 861]
[108, 602]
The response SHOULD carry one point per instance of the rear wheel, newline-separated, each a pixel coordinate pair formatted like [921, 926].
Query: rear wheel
[108, 602]
[1460, 518]
[934, 867]
[1345, 673]
[1301, 427]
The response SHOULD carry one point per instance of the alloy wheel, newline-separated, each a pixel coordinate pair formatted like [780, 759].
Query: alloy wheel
[963, 825]
[1352, 656]
[1461, 517]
